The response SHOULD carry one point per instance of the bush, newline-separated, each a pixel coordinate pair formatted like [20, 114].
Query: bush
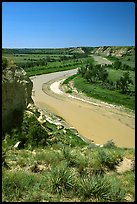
[109, 158]
[110, 144]
[30, 134]
[4, 63]
[100, 189]
[62, 179]
[16, 184]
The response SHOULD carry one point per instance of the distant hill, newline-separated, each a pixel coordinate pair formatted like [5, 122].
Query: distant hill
[116, 51]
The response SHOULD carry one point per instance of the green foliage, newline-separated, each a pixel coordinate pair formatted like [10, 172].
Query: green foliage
[75, 160]
[96, 90]
[30, 134]
[16, 184]
[109, 158]
[4, 156]
[124, 82]
[62, 179]
[117, 64]
[93, 73]
[4, 63]
[66, 81]
[110, 144]
[100, 189]
[80, 181]
[7, 63]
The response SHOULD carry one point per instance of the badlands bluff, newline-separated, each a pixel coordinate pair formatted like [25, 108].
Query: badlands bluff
[16, 95]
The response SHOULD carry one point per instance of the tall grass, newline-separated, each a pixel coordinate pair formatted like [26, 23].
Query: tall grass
[62, 179]
[100, 189]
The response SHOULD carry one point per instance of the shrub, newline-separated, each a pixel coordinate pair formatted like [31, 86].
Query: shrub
[16, 184]
[100, 189]
[4, 63]
[110, 144]
[31, 133]
[109, 158]
[69, 91]
[62, 179]
[94, 188]
[4, 162]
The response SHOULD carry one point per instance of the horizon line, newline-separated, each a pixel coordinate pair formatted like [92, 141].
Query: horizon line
[67, 47]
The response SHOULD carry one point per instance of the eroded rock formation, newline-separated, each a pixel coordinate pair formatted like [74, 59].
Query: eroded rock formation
[16, 95]
[116, 51]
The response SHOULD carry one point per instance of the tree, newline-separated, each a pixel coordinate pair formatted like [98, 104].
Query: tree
[117, 64]
[124, 82]
[92, 72]
[82, 70]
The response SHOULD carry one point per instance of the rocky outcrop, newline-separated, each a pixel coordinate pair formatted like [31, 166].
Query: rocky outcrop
[16, 95]
[116, 51]
[76, 50]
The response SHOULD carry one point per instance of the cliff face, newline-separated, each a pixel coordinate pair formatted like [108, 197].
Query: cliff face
[16, 95]
[113, 51]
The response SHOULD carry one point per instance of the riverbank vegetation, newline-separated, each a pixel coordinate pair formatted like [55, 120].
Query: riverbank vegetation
[38, 61]
[62, 167]
[107, 83]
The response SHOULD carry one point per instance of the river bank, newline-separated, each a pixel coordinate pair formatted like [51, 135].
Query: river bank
[98, 124]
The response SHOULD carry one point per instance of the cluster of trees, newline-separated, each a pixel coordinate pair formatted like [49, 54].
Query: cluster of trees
[97, 73]
[124, 82]
[32, 63]
[93, 73]
[35, 51]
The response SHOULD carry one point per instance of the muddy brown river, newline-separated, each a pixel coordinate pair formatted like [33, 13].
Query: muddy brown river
[96, 123]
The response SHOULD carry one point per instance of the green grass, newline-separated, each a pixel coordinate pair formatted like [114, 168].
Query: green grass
[46, 70]
[50, 67]
[100, 189]
[111, 58]
[66, 81]
[56, 66]
[67, 174]
[128, 59]
[110, 96]
[116, 74]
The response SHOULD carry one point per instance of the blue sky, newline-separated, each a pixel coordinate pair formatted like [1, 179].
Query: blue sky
[67, 24]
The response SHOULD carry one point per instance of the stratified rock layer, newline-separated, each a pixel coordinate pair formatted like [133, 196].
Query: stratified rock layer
[16, 95]
[116, 51]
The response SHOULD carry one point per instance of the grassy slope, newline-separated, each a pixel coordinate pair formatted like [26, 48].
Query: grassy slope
[63, 174]
[126, 59]
[61, 170]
